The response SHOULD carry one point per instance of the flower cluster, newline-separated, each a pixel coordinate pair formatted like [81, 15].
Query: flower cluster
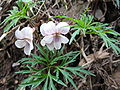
[52, 36]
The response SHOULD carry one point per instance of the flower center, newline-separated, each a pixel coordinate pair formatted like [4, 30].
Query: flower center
[56, 34]
[24, 39]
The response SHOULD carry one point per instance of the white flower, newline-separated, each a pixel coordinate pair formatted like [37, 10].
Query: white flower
[53, 34]
[24, 39]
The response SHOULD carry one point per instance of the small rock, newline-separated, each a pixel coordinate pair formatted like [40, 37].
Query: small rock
[16, 81]
[15, 64]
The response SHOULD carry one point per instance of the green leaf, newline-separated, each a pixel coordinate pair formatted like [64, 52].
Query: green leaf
[74, 68]
[35, 83]
[45, 87]
[68, 77]
[7, 19]
[27, 1]
[72, 82]
[24, 59]
[12, 23]
[14, 11]
[118, 3]
[42, 52]
[65, 17]
[86, 72]
[23, 16]
[58, 80]
[57, 73]
[26, 71]
[64, 57]
[80, 69]
[79, 74]
[72, 59]
[51, 84]
[80, 23]
[21, 88]
[31, 68]
[114, 47]
[38, 57]
[74, 35]
[20, 4]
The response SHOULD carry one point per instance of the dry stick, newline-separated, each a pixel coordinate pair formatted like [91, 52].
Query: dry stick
[116, 61]
[101, 50]
[56, 3]
[104, 11]
[39, 9]
[48, 13]
[82, 50]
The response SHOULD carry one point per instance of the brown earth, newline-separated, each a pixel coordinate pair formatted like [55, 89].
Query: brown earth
[105, 65]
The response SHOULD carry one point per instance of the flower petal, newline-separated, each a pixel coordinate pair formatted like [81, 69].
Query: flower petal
[48, 28]
[47, 39]
[27, 49]
[63, 39]
[20, 43]
[28, 32]
[42, 28]
[19, 34]
[63, 28]
[42, 42]
[57, 42]
[50, 46]
[30, 43]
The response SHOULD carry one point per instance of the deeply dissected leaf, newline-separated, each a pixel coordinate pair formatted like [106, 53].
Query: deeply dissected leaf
[68, 78]
[58, 80]
[45, 87]
[51, 69]
[12, 23]
[51, 85]
[74, 35]
[35, 83]
[42, 52]
[117, 3]
[85, 25]
[26, 71]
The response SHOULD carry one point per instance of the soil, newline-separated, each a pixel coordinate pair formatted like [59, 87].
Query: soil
[106, 65]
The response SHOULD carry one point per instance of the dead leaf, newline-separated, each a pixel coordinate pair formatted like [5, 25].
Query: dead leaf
[101, 54]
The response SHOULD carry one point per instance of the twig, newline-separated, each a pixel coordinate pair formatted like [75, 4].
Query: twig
[82, 50]
[116, 61]
[48, 13]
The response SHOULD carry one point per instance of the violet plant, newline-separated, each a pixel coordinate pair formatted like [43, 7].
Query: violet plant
[53, 69]
[47, 67]
[50, 66]
[86, 25]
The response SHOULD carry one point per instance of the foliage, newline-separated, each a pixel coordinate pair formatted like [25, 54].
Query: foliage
[117, 3]
[86, 25]
[54, 69]
[19, 12]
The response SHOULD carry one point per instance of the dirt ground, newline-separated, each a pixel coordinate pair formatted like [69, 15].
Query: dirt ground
[105, 64]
